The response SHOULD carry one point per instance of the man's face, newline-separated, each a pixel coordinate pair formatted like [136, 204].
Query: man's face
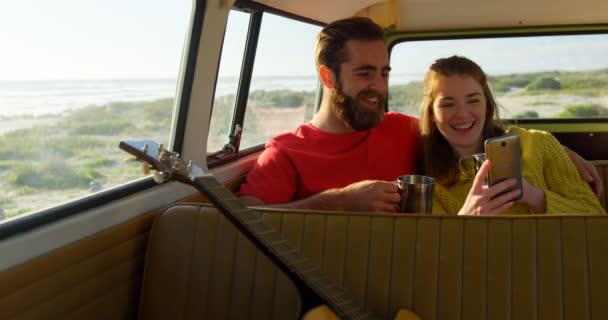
[359, 95]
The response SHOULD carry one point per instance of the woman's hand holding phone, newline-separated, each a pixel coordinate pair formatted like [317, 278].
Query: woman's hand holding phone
[482, 199]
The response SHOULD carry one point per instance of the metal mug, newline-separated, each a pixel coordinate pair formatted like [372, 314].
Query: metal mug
[416, 193]
[478, 160]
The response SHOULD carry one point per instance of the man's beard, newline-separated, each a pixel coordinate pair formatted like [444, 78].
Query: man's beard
[349, 110]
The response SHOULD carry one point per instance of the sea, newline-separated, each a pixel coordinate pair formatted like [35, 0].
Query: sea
[55, 97]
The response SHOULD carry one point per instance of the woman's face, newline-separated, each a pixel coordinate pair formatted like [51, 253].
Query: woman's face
[459, 112]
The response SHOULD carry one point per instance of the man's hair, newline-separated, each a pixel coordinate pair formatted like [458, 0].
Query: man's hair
[331, 40]
[439, 160]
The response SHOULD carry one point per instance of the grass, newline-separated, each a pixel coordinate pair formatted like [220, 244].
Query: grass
[405, 98]
[541, 103]
[584, 111]
[594, 83]
[52, 174]
[12, 213]
[80, 149]
[529, 114]
[100, 162]
[108, 127]
[4, 201]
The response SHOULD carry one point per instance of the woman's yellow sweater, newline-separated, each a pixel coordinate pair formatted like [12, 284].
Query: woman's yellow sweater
[546, 166]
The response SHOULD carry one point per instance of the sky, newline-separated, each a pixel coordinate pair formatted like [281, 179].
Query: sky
[118, 39]
[508, 55]
[92, 39]
[284, 47]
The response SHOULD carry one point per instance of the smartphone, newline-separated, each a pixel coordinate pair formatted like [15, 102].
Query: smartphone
[504, 153]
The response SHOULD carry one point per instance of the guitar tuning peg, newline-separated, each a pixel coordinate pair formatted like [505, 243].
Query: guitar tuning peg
[145, 168]
[158, 177]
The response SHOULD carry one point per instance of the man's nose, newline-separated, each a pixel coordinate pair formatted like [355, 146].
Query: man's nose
[380, 84]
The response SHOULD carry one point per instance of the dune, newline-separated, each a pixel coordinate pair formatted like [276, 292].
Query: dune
[9, 124]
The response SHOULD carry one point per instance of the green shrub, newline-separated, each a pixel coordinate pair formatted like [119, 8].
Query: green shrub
[256, 95]
[24, 143]
[34, 144]
[102, 127]
[577, 82]
[541, 103]
[89, 173]
[158, 111]
[73, 143]
[92, 113]
[7, 164]
[12, 213]
[405, 98]
[500, 87]
[281, 98]
[504, 83]
[584, 111]
[543, 83]
[51, 174]
[4, 201]
[221, 119]
[100, 162]
[526, 115]
[287, 100]
[24, 190]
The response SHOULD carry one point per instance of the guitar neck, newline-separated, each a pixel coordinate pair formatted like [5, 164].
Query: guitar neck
[298, 268]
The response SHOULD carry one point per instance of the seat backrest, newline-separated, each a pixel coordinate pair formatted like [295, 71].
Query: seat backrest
[441, 267]
[200, 267]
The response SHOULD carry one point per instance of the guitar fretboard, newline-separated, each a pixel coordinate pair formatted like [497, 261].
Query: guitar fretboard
[273, 245]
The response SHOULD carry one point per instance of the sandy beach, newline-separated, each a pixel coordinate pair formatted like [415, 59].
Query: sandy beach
[547, 105]
[8, 124]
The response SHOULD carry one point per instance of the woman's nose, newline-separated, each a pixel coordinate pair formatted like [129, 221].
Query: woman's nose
[459, 109]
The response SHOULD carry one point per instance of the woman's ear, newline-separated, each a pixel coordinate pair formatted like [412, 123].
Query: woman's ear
[327, 77]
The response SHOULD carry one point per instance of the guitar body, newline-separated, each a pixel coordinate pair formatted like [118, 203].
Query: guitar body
[320, 313]
[324, 313]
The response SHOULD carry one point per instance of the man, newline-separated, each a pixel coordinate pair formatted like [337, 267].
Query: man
[349, 155]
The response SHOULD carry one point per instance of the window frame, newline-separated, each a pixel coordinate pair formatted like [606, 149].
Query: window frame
[395, 39]
[231, 150]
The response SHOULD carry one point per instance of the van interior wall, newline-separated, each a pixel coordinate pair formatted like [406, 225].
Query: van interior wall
[590, 145]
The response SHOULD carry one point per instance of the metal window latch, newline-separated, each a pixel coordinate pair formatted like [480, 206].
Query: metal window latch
[234, 140]
[230, 148]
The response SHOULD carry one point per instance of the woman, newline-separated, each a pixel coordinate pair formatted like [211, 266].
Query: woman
[458, 113]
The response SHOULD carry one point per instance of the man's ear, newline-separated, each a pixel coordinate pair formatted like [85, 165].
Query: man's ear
[327, 77]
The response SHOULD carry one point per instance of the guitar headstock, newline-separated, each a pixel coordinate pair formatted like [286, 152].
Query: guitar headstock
[168, 164]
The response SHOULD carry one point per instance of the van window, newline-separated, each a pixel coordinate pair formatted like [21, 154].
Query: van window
[284, 83]
[75, 79]
[557, 76]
